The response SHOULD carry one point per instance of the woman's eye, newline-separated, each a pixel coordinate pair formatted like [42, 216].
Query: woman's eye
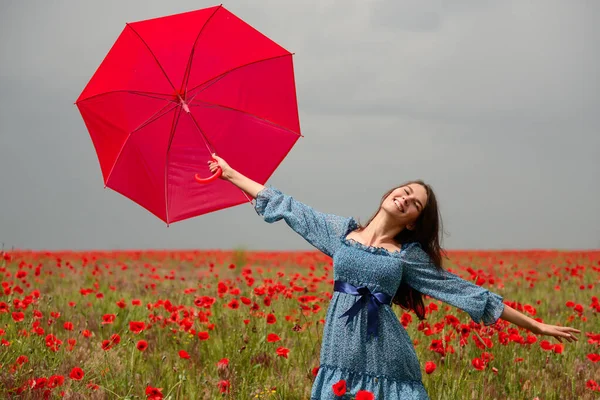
[406, 191]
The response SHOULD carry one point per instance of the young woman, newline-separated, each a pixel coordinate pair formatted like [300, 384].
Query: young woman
[395, 258]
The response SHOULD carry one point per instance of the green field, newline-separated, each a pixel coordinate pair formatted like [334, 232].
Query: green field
[200, 325]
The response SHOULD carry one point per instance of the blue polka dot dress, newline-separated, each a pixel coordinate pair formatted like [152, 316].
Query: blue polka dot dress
[385, 364]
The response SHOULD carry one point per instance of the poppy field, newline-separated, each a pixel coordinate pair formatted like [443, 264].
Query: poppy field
[248, 325]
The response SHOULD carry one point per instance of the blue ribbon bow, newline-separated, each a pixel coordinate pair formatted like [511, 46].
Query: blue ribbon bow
[373, 301]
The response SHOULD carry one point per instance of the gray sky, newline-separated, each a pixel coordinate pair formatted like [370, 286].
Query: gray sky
[495, 103]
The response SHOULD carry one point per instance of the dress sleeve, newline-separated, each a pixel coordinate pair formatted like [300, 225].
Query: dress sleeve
[323, 231]
[421, 274]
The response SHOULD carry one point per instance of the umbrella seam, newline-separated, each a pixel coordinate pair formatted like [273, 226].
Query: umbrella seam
[153, 56]
[134, 92]
[188, 69]
[152, 119]
[249, 114]
[238, 67]
[171, 136]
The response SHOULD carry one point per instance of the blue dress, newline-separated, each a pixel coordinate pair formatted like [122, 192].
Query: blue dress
[385, 365]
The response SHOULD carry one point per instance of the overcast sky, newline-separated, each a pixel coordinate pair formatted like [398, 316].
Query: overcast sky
[496, 104]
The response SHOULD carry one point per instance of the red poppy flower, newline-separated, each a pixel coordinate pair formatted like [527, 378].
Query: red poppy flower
[593, 357]
[184, 354]
[593, 385]
[203, 335]
[224, 386]
[137, 326]
[22, 360]
[364, 395]
[273, 337]
[108, 319]
[546, 345]
[76, 374]
[406, 319]
[55, 381]
[233, 304]
[283, 352]
[478, 364]
[68, 326]
[246, 300]
[142, 345]
[115, 338]
[558, 348]
[153, 393]
[430, 367]
[18, 316]
[271, 319]
[339, 388]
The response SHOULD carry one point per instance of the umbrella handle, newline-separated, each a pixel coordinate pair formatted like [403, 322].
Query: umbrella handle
[210, 178]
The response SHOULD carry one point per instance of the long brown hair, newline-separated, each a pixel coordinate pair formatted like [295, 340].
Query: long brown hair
[427, 232]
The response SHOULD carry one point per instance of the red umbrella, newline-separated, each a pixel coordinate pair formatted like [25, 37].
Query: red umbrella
[173, 90]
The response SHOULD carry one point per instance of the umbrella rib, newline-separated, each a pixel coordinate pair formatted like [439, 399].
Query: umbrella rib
[171, 135]
[127, 140]
[134, 92]
[154, 117]
[221, 75]
[154, 56]
[186, 75]
[204, 138]
[246, 113]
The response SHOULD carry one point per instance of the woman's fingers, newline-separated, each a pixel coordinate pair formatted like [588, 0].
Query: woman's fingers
[567, 333]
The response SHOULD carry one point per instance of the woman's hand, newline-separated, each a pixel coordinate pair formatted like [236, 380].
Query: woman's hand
[559, 332]
[227, 170]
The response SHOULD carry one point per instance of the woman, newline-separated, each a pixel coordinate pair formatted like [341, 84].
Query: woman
[394, 258]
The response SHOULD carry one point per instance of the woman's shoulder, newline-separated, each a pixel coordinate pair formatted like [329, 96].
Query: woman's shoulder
[413, 251]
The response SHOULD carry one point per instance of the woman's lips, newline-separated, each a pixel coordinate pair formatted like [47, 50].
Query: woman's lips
[399, 205]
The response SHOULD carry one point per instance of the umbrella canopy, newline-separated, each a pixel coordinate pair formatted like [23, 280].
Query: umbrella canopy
[173, 90]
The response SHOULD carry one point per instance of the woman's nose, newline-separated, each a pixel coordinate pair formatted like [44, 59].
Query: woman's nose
[405, 201]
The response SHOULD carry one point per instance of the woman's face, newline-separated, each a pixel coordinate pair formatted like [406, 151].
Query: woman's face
[406, 203]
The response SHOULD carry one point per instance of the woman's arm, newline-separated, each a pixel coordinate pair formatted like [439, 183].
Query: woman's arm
[511, 315]
[322, 230]
[481, 304]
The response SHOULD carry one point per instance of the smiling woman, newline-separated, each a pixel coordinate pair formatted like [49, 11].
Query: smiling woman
[393, 259]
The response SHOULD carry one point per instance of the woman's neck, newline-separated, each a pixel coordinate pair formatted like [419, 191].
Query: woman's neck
[381, 230]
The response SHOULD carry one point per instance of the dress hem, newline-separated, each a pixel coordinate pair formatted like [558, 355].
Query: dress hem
[382, 386]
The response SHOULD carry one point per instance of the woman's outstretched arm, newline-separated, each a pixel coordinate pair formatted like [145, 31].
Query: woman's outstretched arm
[511, 315]
[481, 304]
[322, 230]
